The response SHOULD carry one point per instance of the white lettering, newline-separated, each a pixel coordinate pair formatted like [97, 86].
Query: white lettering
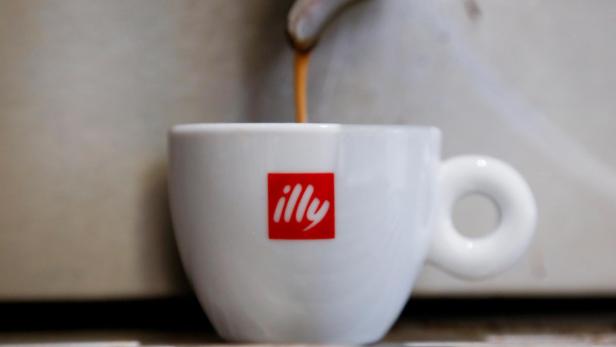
[309, 207]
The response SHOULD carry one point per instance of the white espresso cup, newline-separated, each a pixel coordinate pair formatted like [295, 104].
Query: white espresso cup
[317, 232]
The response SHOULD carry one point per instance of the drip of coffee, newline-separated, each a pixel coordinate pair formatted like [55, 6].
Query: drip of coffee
[301, 86]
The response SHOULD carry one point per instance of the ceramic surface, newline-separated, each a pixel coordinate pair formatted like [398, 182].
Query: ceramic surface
[388, 196]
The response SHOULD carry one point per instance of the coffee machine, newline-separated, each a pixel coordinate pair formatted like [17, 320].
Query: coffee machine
[89, 89]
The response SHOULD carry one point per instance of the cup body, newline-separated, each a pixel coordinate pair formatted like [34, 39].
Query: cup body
[348, 285]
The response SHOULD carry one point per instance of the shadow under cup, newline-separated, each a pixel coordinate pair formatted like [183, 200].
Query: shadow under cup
[347, 288]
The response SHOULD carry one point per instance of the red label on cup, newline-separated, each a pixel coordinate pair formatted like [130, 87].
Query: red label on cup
[301, 206]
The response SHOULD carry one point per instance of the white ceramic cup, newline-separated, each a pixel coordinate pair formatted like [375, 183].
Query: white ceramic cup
[317, 232]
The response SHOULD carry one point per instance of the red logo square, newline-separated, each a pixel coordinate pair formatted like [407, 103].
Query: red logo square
[301, 206]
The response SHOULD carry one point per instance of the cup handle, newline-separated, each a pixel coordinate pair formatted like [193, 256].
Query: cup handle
[475, 258]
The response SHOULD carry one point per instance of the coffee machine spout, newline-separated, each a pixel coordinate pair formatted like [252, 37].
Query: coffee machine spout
[308, 18]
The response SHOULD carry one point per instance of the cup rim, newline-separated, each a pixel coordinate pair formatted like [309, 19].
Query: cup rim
[197, 128]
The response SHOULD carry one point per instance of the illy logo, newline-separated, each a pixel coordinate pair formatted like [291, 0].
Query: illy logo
[301, 206]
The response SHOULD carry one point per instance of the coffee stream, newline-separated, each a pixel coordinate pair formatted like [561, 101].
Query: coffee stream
[301, 85]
